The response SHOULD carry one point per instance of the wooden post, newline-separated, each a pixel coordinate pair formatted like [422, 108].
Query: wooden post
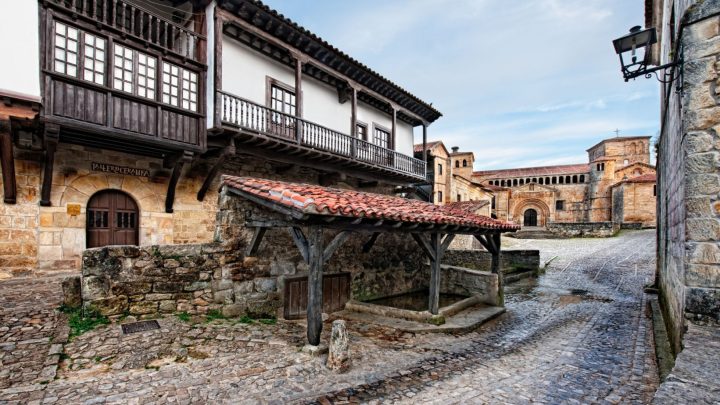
[435, 273]
[315, 284]
[7, 162]
[52, 136]
[353, 121]
[394, 127]
[425, 151]
[298, 99]
[185, 157]
[496, 267]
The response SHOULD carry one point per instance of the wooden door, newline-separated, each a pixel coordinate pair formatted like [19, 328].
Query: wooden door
[112, 219]
[530, 218]
[336, 292]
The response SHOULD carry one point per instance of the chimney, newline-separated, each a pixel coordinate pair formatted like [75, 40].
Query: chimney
[455, 149]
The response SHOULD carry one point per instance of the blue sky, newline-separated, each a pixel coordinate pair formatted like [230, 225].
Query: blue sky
[519, 82]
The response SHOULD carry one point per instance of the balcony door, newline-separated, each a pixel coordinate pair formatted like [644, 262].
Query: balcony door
[112, 219]
[282, 100]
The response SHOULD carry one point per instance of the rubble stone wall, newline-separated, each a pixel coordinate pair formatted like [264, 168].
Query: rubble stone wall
[511, 260]
[583, 229]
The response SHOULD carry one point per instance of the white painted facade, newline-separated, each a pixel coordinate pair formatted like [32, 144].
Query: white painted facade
[20, 36]
[246, 72]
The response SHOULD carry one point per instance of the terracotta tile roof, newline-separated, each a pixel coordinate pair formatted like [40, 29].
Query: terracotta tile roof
[467, 206]
[534, 171]
[417, 148]
[645, 178]
[318, 200]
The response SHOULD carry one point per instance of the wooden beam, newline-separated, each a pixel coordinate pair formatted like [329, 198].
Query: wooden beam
[436, 247]
[337, 241]
[52, 137]
[227, 152]
[255, 241]
[301, 242]
[298, 100]
[425, 245]
[353, 122]
[446, 242]
[315, 285]
[7, 163]
[496, 267]
[481, 238]
[369, 244]
[425, 151]
[174, 178]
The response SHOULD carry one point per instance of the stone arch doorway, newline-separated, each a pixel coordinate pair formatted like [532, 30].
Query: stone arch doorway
[530, 217]
[112, 219]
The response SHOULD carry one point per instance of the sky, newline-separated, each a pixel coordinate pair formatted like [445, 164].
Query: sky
[519, 82]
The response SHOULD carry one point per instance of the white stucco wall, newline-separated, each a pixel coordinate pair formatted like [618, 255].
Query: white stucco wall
[19, 41]
[245, 74]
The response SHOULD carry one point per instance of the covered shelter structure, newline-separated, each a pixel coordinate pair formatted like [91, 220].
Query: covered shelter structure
[317, 209]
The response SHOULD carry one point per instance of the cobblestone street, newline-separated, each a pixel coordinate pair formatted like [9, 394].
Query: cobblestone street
[579, 334]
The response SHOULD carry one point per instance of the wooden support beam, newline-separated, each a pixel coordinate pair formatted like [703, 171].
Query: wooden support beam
[7, 163]
[298, 100]
[496, 267]
[52, 137]
[446, 242]
[301, 242]
[255, 242]
[174, 177]
[227, 152]
[337, 241]
[425, 151]
[353, 122]
[436, 247]
[369, 244]
[315, 284]
[425, 245]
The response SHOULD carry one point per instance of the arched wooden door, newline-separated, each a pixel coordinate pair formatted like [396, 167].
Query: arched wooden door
[112, 219]
[530, 217]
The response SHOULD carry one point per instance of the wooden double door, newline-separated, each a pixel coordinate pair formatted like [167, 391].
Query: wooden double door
[112, 219]
[336, 293]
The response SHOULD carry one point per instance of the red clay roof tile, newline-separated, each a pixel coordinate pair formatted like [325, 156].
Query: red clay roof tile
[534, 171]
[318, 200]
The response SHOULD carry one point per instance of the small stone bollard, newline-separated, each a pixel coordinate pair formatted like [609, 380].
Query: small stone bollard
[338, 357]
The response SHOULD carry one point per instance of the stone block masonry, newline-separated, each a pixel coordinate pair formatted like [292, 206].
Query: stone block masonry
[512, 261]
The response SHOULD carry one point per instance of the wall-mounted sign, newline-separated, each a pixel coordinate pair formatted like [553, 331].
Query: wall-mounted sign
[73, 209]
[128, 171]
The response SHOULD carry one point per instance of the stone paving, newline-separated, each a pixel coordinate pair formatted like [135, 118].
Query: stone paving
[580, 334]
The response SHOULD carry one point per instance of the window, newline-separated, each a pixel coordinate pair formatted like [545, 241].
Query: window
[459, 198]
[492, 203]
[282, 99]
[575, 179]
[457, 163]
[381, 137]
[361, 131]
[439, 169]
[654, 190]
[77, 52]
[66, 49]
[582, 178]
[134, 72]
[439, 197]
[94, 59]
[559, 205]
[179, 87]
[600, 167]
[625, 162]
[464, 163]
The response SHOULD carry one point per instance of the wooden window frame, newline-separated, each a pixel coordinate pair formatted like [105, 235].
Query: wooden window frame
[391, 141]
[269, 83]
[360, 124]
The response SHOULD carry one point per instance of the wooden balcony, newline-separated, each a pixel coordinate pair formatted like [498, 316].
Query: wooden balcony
[265, 127]
[118, 76]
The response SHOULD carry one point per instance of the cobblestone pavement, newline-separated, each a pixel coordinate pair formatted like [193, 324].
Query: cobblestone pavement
[580, 334]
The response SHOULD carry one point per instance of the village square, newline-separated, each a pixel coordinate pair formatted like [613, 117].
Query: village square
[208, 201]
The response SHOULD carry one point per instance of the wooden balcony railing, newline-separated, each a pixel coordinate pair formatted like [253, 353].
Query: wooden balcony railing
[245, 114]
[131, 20]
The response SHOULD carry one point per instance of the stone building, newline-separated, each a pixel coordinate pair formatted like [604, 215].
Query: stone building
[120, 131]
[450, 174]
[594, 197]
[688, 178]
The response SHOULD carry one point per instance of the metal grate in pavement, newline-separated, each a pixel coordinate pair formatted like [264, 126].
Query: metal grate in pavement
[141, 326]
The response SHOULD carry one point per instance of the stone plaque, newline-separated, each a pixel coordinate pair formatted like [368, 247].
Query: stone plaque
[73, 209]
[128, 171]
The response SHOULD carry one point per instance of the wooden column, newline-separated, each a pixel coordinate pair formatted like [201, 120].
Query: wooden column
[394, 126]
[353, 120]
[52, 137]
[315, 284]
[496, 267]
[298, 99]
[425, 151]
[7, 162]
[435, 274]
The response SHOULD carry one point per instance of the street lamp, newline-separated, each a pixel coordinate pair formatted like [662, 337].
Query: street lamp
[633, 65]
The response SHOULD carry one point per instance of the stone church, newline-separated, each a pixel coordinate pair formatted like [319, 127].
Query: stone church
[616, 188]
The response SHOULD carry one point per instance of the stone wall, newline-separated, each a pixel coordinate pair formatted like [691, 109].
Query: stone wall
[634, 203]
[583, 229]
[511, 260]
[200, 277]
[688, 178]
[469, 282]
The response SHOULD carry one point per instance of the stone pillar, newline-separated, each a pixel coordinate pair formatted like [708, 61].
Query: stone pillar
[338, 356]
